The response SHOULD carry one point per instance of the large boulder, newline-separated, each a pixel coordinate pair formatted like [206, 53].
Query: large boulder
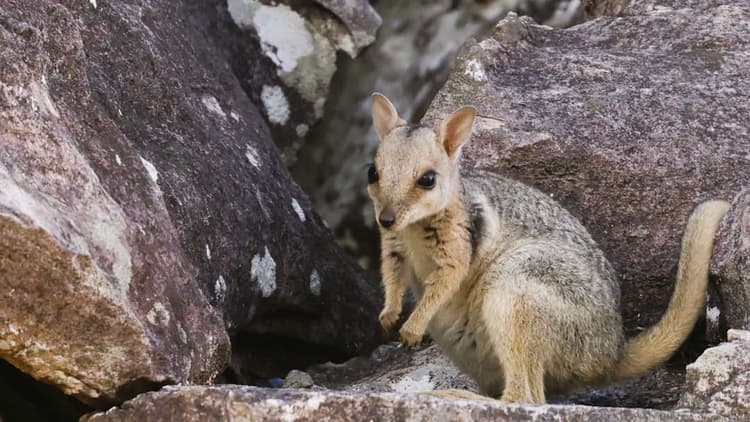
[731, 266]
[628, 121]
[144, 209]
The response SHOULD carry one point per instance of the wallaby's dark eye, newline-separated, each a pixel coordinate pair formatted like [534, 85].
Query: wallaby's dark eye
[372, 174]
[427, 181]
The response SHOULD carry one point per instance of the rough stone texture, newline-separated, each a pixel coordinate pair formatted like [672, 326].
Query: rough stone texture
[249, 403]
[297, 42]
[409, 61]
[731, 265]
[718, 388]
[629, 122]
[596, 8]
[719, 381]
[391, 368]
[297, 379]
[143, 207]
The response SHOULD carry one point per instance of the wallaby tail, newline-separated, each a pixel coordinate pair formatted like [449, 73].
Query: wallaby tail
[657, 344]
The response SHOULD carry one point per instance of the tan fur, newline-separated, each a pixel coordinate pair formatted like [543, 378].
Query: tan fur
[509, 284]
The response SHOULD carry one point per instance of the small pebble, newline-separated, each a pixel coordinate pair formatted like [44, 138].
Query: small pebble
[298, 379]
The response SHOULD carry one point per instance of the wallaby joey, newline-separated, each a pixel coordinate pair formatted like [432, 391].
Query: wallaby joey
[509, 284]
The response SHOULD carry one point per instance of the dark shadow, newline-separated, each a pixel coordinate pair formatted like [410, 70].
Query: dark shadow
[22, 398]
[256, 358]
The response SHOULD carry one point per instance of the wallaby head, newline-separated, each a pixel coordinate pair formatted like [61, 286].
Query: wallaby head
[415, 172]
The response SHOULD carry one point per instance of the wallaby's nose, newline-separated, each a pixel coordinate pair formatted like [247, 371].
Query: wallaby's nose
[387, 218]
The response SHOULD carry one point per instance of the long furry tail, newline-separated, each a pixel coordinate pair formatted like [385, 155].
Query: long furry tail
[657, 344]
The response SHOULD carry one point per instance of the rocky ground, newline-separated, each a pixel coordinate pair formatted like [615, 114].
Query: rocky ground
[155, 252]
[716, 390]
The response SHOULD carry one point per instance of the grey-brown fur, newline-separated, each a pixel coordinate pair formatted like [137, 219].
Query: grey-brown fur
[575, 269]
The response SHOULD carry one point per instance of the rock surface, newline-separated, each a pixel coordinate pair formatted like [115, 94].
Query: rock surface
[409, 61]
[144, 207]
[628, 121]
[391, 368]
[249, 403]
[731, 265]
[717, 389]
[719, 381]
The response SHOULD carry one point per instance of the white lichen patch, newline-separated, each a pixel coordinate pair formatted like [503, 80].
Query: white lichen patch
[212, 105]
[474, 69]
[283, 33]
[276, 104]
[181, 332]
[41, 100]
[712, 314]
[263, 272]
[252, 156]
[413, 383]
[104, 232]
[298, 210]
[305, 56]
[118, 160]
[302, 129]
[220, 289]
[319, 106]
[150, 169]
[158, 315]
[315, 282]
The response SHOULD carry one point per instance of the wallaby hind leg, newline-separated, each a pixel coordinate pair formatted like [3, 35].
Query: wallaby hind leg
[458, 394]
[515, 329]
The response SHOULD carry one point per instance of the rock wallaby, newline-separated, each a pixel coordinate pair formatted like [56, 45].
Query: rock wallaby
[509, 284]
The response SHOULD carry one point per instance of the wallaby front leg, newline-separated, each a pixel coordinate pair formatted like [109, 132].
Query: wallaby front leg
[395, 273]
[394, 286]
[440, 285]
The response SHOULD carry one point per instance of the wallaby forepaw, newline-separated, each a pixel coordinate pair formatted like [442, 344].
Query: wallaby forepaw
[388, 319]
[410, 336]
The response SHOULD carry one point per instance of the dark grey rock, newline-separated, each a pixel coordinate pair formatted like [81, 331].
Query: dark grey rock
[144, 208]
[731, 266]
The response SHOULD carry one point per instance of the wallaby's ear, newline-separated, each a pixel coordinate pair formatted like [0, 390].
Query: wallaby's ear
[456, 130]
[384, 115]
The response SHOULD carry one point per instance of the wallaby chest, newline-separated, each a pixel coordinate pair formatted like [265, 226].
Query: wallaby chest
[419, 252]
